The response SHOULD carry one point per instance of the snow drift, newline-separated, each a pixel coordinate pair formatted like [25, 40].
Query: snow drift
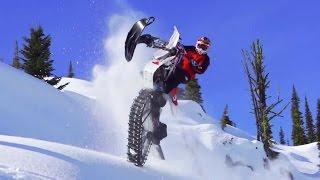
[31, 108]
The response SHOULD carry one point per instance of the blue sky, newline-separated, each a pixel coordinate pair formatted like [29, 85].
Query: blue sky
[289, 31]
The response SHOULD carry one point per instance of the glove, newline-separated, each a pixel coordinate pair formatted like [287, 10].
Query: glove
[173, 51]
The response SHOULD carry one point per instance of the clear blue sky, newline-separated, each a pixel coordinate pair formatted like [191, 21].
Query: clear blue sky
[289, 31]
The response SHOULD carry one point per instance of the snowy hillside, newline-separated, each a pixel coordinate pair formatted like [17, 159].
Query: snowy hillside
[24, 158]
[48, 134]
[30, 108]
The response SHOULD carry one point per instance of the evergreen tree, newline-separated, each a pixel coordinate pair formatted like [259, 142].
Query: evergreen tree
[281, 136]
[311, 135]
[193, 91]
[288, 142]
[70, 71]
[15, 60]
[298, 135]
[225, 118]
[318, 123]
[37, 55]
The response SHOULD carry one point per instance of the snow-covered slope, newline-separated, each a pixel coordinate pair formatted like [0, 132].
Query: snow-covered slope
[206, 151]
[31, 108]
[44, 132]
[24, 158]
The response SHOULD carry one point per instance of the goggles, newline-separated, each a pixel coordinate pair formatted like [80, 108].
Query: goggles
[204, 47]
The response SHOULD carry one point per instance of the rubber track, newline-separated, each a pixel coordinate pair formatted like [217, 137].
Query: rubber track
[136, 129]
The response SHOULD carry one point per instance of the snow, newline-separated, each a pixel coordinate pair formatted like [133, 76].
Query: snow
[63, 140]
[30, 108]
[78, 86]
[36, 159]
[303, 157]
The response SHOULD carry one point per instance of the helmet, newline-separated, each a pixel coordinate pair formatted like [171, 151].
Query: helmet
[203, 45]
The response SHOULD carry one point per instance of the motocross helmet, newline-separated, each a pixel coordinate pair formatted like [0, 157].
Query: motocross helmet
[203, 44]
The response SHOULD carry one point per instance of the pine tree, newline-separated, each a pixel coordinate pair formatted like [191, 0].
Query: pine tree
[37, 55]
[193, 91]
[281, 136]
[311, 135]
[298, 135]
[225, 118]
[288, 142]
[70, 70]
[15, 60]
[318, 123]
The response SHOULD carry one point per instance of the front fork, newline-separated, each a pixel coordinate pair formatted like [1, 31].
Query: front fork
[157, 102]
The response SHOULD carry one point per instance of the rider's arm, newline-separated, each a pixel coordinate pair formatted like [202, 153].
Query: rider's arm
[202, 67]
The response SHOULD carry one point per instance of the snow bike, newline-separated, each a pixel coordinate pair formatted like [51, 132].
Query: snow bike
[145, 110]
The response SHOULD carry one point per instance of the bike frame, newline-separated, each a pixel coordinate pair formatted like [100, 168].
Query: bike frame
[160, 58]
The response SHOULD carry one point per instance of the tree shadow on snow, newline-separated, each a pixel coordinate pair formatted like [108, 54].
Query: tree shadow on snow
[42, 151]
[299, 157]
[98, 169]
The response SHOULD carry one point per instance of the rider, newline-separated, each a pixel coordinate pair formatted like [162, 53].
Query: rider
[194, 61]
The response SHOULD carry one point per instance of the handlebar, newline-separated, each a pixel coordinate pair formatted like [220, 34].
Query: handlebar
[177, 50]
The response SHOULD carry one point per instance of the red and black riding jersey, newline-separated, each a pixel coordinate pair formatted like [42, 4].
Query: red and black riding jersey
[192, 57]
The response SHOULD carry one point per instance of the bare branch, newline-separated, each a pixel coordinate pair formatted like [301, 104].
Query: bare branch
[280, 112]
[272, 106]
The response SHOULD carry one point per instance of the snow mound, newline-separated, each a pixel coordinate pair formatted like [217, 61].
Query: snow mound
[32, 108]
[187, 112]
[304, 157]
[78, 86]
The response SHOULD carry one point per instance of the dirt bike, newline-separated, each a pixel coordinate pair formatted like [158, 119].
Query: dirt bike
[145, 110]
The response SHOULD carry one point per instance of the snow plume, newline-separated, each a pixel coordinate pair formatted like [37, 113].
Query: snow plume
[117, 83]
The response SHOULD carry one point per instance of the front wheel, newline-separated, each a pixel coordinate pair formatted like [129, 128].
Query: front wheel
[140, 128]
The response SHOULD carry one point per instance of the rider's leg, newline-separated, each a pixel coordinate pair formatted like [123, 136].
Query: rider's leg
[173, 81]
[146, 39]
[151, 41]
[158, 101]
